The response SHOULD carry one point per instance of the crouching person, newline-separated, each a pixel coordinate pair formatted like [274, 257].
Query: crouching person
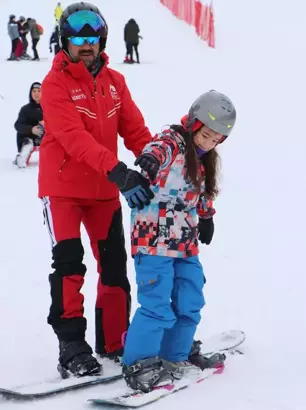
[29, 127]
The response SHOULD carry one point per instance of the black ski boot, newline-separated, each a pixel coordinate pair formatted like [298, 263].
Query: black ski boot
[203, 362]
[116, 356]
[146, 374]
[76, 358]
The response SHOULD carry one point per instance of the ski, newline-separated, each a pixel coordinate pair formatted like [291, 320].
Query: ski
[227, 341]
[91, 381]
[28, 59]
[139, 399]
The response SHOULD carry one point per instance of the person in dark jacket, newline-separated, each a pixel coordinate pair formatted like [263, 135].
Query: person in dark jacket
[12, 29]
[23, 27]
[54, 39]
[35, 35]
[29, 126]
[131, 38]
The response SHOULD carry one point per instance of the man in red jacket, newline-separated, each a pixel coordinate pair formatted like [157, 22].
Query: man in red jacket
[86, 105]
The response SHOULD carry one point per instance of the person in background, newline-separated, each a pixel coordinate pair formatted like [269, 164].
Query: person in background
[12, 28]
[35, 35]
[58, 11]
[182, 164]
[54, 39]
[131, 38]
[29, 126]
[24, 29]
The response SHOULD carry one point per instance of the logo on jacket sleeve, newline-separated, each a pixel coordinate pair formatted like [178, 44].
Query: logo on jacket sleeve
[78, 97]
[78, 94]
[114, 92]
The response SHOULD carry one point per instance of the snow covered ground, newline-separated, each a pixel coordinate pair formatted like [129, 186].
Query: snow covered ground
[255, 267]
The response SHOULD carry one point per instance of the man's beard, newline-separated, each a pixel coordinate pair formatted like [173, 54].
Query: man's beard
[88, 63]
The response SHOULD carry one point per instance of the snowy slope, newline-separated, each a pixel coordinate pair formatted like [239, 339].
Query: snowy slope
[255, 267]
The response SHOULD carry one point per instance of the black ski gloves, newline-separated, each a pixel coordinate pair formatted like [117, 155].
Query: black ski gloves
[206, 230]
[148, 163]
[133, 186]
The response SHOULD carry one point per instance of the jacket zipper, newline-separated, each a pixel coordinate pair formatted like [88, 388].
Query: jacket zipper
[95, 86]
[62, 165]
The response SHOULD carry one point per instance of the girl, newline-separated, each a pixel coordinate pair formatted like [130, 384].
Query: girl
[182, 164]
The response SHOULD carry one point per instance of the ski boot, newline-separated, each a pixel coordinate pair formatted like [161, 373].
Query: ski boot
[203, 362]
[76, 358]
[115, 356]
[20, 161]
[182, 369]
[25, 56]
[22, 158]
[146, 374]
[13, 57]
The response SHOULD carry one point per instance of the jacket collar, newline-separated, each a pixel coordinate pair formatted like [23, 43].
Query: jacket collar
[78, 70]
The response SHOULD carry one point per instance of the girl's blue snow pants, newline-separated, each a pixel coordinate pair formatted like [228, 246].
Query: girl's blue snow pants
[170, 294]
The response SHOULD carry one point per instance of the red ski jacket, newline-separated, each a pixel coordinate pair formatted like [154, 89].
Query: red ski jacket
[83, 116]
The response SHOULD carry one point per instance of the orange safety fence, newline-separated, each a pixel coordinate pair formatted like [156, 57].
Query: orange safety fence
[197, 14]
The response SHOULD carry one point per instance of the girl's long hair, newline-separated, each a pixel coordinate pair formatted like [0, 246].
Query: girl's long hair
[211, 162]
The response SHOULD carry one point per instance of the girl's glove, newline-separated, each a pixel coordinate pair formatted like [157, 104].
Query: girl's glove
[206, 230]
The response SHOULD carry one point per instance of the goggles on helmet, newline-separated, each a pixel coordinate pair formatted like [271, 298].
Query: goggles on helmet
[77, 21]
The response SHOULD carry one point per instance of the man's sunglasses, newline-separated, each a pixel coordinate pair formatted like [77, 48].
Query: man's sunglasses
[79, 41]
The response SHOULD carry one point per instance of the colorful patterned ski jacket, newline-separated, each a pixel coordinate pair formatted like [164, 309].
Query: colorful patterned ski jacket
[168, 226]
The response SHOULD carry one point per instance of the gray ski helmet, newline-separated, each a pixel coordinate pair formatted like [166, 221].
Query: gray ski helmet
[214, 110]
